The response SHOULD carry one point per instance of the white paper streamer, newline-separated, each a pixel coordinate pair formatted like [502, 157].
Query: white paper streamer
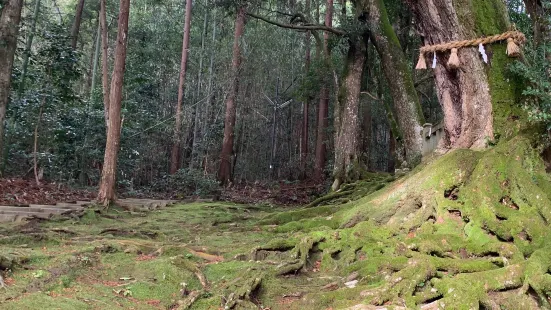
[483, 52]
[434, 61]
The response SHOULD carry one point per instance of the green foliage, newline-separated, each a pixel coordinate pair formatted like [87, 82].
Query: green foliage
[187, 182]
[534, 69]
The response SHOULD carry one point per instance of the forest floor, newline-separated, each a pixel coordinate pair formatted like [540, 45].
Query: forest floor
[467, 230]
[117, 259]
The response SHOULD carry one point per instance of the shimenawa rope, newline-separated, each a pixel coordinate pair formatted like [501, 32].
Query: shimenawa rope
[513, 39]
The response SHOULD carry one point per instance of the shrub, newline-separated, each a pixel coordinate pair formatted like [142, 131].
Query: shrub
[186, 182]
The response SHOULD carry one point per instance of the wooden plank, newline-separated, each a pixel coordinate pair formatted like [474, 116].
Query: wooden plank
[74, 207]
[85, 203]
[34, 209]
[8, 217]
[41, 215]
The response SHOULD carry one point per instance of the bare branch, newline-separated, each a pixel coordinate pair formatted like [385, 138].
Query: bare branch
[299, 27]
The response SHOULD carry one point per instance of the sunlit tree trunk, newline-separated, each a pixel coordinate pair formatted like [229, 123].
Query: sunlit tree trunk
[9, 30]
[224, 173]
[107, 189]
[176, 148]
[478, 99]
[323, 107]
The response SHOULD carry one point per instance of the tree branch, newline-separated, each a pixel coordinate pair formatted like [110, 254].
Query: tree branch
[298, 27]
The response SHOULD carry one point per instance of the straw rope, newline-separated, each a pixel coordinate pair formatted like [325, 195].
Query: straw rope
[515, 35]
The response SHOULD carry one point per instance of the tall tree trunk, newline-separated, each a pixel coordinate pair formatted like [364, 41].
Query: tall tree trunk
[224, 173]
[210, 92]
[107, 189]
[176, 148]
[323, 108]
[306, 105]
[27, 52]
[396, 70]
[197, 114]
[9, 29]
[76, 24]
[104, 61]
[95, 59]
[37, 177]
[478, 99]
[347, 126]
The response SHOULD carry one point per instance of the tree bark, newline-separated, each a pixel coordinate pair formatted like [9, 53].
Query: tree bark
[323, 107]
[107, 190]
[197, 114]
[347, 126]
[104, 62]
[27, 52]
[475, 105]
[306, 105]
[406, 106]
[35, 144]
[224, 173]
[176, 148]
[76, 24]
[9, 30]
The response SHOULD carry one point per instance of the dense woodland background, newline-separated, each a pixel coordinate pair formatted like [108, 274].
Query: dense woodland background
[55, 115]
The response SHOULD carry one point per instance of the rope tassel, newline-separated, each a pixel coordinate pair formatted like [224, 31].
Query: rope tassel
[512, 48]
[421, 63]
[453, 61]
[514, 39]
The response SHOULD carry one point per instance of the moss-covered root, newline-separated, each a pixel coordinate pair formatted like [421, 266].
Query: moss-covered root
[301, 253]
[402, 284]
[470, 290]
[182, 262]
[241, 293]
[538, 277]
[190, 299]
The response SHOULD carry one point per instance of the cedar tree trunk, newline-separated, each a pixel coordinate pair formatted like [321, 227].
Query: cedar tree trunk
[175, 154]
[224, 173]
[406, 106]
[478, 99]
[9, 29]
[347, 127]
[104, 61]
[76, 24]
[107, 189]
[323, 108]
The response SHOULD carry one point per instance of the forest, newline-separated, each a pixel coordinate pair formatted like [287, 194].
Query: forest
[277, 154]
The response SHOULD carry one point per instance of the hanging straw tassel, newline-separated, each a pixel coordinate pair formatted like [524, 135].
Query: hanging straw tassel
[421, 64]
[512, 48]
[453, 61]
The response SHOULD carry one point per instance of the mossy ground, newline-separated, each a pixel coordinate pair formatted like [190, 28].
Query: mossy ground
[467, 230]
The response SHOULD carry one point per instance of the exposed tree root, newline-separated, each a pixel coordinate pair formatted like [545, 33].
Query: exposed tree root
[467, 231]
[403, 283]
[182, 262]
[329, 197]
[189, 300]
[244, 292]
[301, 253]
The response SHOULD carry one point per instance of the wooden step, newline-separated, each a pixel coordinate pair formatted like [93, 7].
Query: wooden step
[8, 217]
[41, 215]
[35, 209]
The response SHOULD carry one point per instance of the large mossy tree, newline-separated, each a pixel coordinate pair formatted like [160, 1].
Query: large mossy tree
[467, 230]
